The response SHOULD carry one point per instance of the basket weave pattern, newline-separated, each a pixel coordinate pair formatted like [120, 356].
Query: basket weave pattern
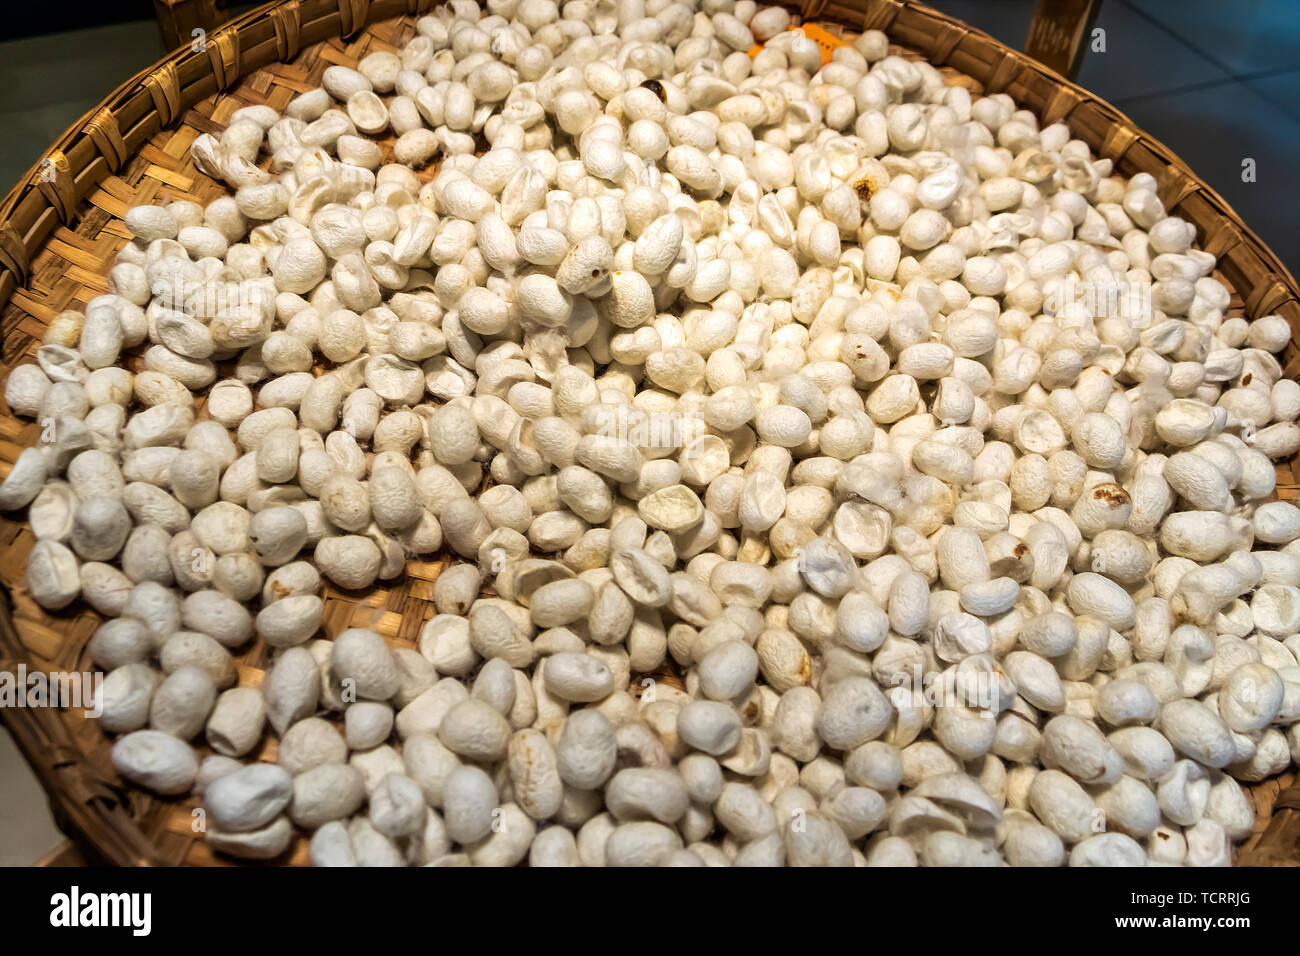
[62, 226]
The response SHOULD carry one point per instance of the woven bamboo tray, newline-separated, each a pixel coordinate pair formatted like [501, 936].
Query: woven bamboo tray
[62, 225]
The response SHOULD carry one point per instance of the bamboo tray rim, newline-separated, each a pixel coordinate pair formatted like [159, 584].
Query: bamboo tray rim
[98, 810]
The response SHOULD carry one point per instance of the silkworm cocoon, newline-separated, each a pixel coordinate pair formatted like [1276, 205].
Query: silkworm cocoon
[24, 480]
[853, 711]
[926, 360]
[52, 575]
[278, 534]
[362, 657]
[1062, 805]
[25, 389]
[1122, 556]
[587, 265]
[1097, 596]
[657, 246]
[1277, 441]
[290, 620]
[1198, 481]
[50, 513]
[676, 369]
[156, 761]
[394, 502]
[1202, 535]
[1100, 507]
[397, 807]
[125, 697]
[311, 743]
[939, 459]
[577, 677]
[1078, 748]
[1036, 680]
[923, 230]
[609, 456]
[325, 793]
[1196, 732]
[235, 726]
[474, 730]
[642, 578]
[248, 799]
[990, 597]
[182, 702]
[674, 509]
[1275, 608]
[1251, 697]
[1277, 522]
[191, 648]
[1184, 422]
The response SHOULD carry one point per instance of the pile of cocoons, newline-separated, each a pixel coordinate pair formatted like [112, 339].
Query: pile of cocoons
[829, 467]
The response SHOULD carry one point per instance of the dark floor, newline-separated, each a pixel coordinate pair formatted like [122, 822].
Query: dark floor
[1217, 80]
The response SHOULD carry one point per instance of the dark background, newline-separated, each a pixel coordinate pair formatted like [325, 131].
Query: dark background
[27, 18]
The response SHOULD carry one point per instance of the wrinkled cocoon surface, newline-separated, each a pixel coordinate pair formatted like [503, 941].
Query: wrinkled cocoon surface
[823, 384]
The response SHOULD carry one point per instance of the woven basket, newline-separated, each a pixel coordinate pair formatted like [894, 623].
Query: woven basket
[62, 225]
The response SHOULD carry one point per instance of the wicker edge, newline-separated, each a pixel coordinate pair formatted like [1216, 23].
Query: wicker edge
[82, 801]
[98, 143]
[96, 808]
[114, 824]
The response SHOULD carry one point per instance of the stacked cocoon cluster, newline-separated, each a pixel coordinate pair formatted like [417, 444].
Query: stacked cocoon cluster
[769, 370]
